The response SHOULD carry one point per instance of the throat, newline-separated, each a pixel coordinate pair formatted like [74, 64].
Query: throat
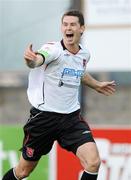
[74, 49]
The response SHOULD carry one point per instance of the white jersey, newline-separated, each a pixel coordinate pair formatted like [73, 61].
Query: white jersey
[54, 86]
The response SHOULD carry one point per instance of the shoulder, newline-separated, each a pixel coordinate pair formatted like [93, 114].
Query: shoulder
[51, 44]
[85, 52]
[84, 49]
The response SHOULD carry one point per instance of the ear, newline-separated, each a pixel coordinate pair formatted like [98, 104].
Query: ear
[82, 29]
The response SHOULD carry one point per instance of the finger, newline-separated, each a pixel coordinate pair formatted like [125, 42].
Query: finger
[26, 57]
[113, 83]
[108, 90]
[111, 88]
[104, 92]
[29, 55]
[108, 93]
[29, 52]
[30, 47]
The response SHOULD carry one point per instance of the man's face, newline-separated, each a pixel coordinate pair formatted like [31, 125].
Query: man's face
[71, 30]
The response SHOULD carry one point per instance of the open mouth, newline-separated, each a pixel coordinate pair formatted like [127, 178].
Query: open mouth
[70, 35]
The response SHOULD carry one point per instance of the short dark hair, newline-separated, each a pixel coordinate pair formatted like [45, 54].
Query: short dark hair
[75, 13]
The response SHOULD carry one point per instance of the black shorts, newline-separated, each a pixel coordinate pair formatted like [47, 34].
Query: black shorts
[43, 128]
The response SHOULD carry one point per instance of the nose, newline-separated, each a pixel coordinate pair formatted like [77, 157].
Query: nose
[68, 27]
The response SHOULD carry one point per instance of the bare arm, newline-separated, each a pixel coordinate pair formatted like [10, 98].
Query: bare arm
[33, 59]
[106, 87]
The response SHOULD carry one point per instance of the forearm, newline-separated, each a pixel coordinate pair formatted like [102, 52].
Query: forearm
[106, 87]
[88, 80]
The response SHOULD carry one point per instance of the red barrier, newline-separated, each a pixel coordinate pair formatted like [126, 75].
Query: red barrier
[115, 150]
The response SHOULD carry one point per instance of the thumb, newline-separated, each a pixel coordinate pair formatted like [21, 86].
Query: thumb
[113, 83]
[30, 47]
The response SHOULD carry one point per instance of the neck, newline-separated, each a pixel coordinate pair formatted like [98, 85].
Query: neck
[73, 48]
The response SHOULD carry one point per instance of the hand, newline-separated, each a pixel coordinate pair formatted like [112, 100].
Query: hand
[29, 54]
[106, 88]
[33, 59]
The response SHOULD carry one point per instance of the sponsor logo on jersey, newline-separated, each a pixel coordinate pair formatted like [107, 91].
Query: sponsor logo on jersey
[72, 72]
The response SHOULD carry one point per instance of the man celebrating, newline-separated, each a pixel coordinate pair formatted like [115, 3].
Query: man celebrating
[57, 71]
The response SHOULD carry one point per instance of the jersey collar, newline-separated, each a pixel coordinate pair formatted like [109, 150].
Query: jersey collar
[63, 45]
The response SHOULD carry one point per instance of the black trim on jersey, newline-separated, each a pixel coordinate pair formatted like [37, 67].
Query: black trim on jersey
[43, 94]
[62, 43]
[64, 48]
[42, 57]
[43, 97]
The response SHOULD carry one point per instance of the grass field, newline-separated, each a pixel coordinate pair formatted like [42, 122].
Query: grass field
[10, 143]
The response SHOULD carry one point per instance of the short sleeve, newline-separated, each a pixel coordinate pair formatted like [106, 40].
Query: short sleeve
[50, 52]
[88, 57]
[86, 60]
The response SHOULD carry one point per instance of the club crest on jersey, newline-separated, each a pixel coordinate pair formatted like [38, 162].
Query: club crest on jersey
[84, 63]
[29, 152]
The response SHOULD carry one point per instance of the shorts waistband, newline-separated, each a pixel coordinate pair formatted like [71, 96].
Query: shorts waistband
[37, 110]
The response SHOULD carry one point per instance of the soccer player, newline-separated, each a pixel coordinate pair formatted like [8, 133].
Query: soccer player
[57, 70]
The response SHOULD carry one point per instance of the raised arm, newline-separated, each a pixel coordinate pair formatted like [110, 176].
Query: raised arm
[32, 58]
[106, 87]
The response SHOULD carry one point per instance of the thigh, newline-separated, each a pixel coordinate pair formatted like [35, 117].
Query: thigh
[39, 136]
[75, 133]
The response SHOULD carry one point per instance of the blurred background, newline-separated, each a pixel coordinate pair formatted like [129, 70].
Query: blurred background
[108, 38]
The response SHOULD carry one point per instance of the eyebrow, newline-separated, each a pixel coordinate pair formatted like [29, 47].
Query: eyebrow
[70, 22]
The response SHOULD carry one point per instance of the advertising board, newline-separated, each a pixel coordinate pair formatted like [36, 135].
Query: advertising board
[115, 150]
